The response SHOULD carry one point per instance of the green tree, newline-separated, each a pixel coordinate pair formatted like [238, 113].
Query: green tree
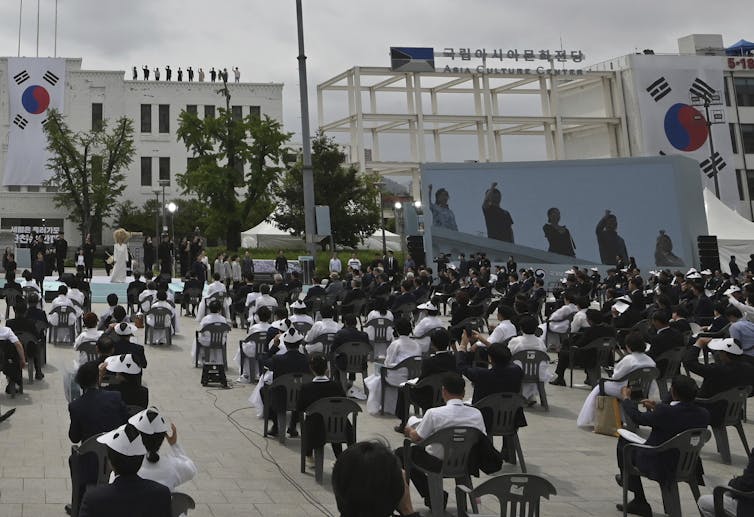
[188, 216]
[352, 197]
[88, 169]
[233, 199]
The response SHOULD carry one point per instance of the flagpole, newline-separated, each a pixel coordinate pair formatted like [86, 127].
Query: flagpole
[56, 29]
[38, 28]
[20, 16]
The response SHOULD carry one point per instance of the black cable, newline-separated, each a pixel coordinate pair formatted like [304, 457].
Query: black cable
[265, 454]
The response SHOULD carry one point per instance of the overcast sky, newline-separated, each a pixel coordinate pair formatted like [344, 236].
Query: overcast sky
[260, 36]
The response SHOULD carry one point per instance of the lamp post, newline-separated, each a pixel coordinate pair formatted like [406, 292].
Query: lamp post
[156, 223]
[307, 172]
[707, 100]
[164, 184]
[379, 186]
[172, 207]
[399, 227]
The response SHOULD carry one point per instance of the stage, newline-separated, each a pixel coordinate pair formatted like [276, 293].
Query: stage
[101, 287]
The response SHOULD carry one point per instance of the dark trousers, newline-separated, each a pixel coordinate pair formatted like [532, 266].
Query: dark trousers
[277, 401]
[422, 397]
[11, 366]
[34, 353]
[60, 265]
[425, 460]
[634, 482]
[313, 435]
[585, 359]
[88, 269]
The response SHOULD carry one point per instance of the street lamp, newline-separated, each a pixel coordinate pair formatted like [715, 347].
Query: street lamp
[399, 221]
[711, 98]
[379, 186]
[163, 184]
[172, 207]
[156, 222]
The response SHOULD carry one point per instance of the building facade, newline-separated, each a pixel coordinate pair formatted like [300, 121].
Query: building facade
[92, 96]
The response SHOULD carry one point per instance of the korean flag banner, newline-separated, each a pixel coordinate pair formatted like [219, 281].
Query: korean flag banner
[35, 85]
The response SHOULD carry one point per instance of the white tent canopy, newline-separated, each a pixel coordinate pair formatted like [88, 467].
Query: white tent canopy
[735, 234]
[267, 235]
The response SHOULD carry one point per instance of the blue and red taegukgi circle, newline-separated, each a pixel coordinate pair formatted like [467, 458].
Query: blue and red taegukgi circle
[35, 99]
[685, 127]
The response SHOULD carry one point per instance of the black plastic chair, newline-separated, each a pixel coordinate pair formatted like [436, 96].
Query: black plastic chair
[218, 333]
[163, 320]
[735, 401]
[560, 335]
[132, 298]
[302, 326]
[405, 310]
[355, 355]
[381, 340]
[11, 297]
[281, 297]
[326, 340]
[432, 382]
[413, 366]
[180, 504]
[338, 428]
[688, 444]
[518, 494]
[260, 340]
[531, 361]
[603, 348]
[671, 361]
[90, 446]
[291, 383]
[746, 498]
[63, 327]
[457, 444]
[640, 382]
[90, 349]
[356, 307]
[27, 339]
[191, 299]
[504, 409]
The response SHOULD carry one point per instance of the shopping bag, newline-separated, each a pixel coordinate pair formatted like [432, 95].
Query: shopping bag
[607, 419]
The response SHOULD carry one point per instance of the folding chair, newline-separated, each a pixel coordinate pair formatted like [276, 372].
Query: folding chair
[517, 494]
[502, 409]
[734, 400]
[688, 445]
[457, 444]
[337, 426]
[291, 383]
[132, 298]
[531, 361]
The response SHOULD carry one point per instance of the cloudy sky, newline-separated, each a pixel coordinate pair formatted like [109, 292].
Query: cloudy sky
[260, 36]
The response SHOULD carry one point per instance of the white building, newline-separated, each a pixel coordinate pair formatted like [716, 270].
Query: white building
[154, 107]
[553, 110]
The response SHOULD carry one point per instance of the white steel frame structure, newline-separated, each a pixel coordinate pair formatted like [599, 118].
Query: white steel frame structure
[492, 93]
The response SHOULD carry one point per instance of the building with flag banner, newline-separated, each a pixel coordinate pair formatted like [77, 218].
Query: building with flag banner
[504, 104]
[29, 87]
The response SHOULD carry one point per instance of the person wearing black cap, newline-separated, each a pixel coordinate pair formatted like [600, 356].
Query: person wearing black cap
[124, 344]
[128, 495]
[127, 379]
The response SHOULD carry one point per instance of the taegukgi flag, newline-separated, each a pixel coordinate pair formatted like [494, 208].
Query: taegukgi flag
[35, 85]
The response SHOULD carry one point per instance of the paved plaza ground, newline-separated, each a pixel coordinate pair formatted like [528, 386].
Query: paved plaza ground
[243, 474]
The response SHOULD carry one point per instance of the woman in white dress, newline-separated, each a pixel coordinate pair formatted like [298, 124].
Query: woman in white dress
[633, 361]
[120, 256]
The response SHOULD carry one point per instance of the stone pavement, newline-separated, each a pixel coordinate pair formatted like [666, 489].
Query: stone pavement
[243, 474]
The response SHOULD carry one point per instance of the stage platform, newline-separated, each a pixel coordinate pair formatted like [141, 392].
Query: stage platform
[101, 287]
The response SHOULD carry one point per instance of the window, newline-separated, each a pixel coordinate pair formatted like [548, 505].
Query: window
[748, 177]
[32, 188]
[13, 188]
[146, 171]
[190, 162]
[237, 112]
[165, 169]
[96, 116]
[747, 138]
[191, 108]
[733, 141]
[726, 91]
[255, 111]
[146, 118]
[744, 90]
[164, 120]
[209, 112]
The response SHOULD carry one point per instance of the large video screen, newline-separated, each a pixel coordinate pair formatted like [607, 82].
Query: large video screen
[567, 212]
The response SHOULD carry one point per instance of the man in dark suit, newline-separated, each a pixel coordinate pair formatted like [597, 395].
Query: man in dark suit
[281, 264]
[95, 412]
[349, 333]
[502, 376]
[382, 288]
[128, 495]
[702, 306]
[666, 421]
[664, 339]
[61, 250]
[135, 288]
[405, 297]
[679, 322]
[442, 361]
[292, 361]
[354, 293]
[597, 329]
[316, 289]
[391, 264]
[320, 387]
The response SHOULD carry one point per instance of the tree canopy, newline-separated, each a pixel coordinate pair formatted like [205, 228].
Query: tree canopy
[234, 197]
[88, 169]
[353, 198]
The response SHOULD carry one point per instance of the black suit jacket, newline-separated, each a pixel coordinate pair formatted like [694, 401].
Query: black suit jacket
[666, 421]
[441, 362]
[592, 333]
[498, 379]
[403, 298]
[96, 411]
[127, 496]
[292, 361]
[663, 341]
[315, 290]
[351, 295]
[682, 325]
[124, 346]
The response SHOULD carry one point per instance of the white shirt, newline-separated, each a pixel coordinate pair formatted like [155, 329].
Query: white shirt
[453, 414]
[423, 328]
[562, 314]
[173, 468]
[86, 335]
[631, 362]
[746, 310]
[324, 326]
[263, 300]
[579, 321]
[401, 348]
[503, 331]
[526, 342]
[209, 318]
[143, 304]
[32, 284]
[354, 263]
[301, 318]
[6, 334]
[61, 301]
[373, 315]
[215, 287]
[336, 266]
[164, 305]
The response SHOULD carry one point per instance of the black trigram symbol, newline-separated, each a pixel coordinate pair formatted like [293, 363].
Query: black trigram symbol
[45, 121]
[659, 89]
[662, 153]
[21, 77]
[20, 121]
[712, 165]
[51, 78]
[701, 89]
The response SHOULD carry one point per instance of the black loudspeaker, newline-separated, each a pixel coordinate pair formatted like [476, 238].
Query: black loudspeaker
[415, 245]
[709, 254]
